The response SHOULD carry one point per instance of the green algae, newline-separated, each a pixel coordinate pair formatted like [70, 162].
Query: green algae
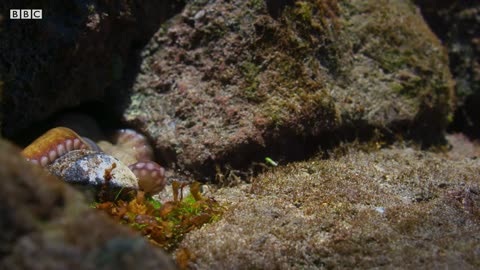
[256, 5]
[400, 47]
[304, 11]
[165, 224]
[280, 84]
[250, 71]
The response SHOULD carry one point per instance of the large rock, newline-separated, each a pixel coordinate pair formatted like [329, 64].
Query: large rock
[457, 23]
[227, 82]
[45, 224]
[75, 54]
[395, 208]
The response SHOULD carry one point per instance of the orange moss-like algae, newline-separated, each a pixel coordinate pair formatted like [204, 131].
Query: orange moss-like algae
[165, 224]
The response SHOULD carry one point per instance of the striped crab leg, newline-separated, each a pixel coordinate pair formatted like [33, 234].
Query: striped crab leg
[53, 144]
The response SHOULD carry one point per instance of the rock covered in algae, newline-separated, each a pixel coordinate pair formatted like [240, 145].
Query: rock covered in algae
[91, 168]
[46, 224]
[397, 208]
[225, 77]
[457, 23]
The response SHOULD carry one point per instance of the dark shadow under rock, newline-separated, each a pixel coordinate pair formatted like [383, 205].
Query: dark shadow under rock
[457, 23]
[45, 224]
[71, 56]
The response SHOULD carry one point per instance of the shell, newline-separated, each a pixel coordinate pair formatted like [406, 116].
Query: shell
[53, 144]
[91, 144]
[94, 169]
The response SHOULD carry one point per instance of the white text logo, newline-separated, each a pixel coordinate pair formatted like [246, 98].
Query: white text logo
[26, 14]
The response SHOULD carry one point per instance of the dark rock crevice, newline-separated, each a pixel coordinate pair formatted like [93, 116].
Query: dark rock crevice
[80, 52]
[457, 24]
[286, 146]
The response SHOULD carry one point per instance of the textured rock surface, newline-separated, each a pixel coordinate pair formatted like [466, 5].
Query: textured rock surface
[225, 82]
[79, 49]
[457, 23]
[392, 208]
[91, 168]
[45, 224]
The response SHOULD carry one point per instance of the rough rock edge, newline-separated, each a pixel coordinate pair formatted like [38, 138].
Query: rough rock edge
[204, 94]
[47, 225]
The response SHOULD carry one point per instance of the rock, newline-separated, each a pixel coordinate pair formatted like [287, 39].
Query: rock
[48, 225]
[392, 208]
[96, 169]
[224, 82]
[457, 23]
[462, 147]
[75, 54]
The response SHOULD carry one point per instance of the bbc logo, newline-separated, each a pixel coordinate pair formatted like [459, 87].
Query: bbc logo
[26, 14]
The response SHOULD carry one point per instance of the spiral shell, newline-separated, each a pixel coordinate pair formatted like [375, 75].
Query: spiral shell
[133, 148]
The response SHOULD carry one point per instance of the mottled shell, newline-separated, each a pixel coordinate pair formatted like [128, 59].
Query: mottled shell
[134, 149]
[94, 169]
